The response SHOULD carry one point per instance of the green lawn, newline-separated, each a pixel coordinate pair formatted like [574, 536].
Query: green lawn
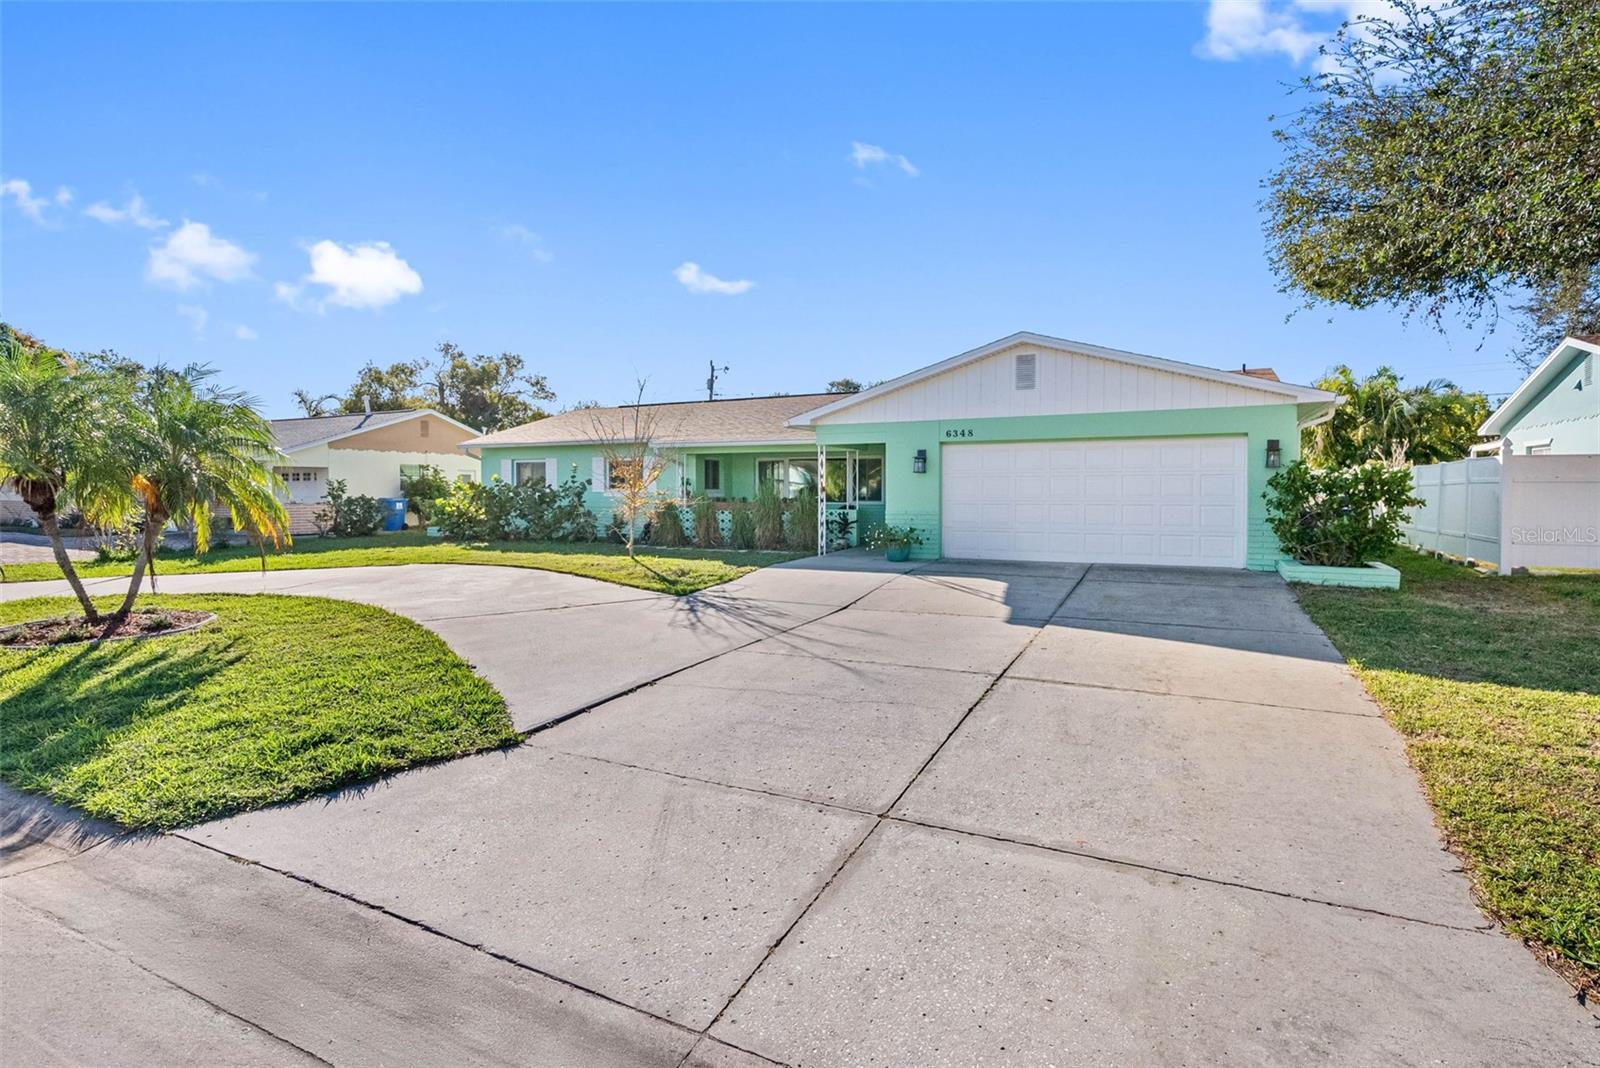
[674, 571]
[1495, 684]
[279, 698]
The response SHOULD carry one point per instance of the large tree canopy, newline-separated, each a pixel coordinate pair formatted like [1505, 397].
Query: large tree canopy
[1382, 419]
[1449, 155]
[482, 391]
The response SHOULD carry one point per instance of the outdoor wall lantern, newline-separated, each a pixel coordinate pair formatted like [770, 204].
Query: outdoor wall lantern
[919, 462]
[1274, 453]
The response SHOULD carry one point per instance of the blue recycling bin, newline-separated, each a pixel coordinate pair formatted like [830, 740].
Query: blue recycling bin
[394, 513]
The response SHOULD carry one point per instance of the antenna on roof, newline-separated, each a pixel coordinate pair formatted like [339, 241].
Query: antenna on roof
[711, 382]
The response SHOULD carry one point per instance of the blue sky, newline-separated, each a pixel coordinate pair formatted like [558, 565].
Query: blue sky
[320, 185]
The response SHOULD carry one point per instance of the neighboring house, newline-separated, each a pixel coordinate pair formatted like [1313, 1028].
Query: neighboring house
[370, 451]
[1029, 448]
[13, 510]
[1556, 410]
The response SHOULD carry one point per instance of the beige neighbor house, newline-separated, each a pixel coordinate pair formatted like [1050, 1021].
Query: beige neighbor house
[370, 451]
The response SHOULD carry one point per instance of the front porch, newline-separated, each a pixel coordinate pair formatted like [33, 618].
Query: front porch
[850, 491]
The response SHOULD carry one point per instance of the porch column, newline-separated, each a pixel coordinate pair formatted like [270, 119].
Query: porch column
[822, 499]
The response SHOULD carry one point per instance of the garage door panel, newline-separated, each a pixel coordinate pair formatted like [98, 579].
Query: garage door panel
[1174, 501]
[1099, 515]
[1138, 516]
[1100, 487]
[1138, 485]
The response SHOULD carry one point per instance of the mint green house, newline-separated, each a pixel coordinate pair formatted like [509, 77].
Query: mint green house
[1556, 410]
[1028, 448]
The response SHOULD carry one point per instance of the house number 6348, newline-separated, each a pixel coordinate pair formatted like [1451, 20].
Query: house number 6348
[959, 433]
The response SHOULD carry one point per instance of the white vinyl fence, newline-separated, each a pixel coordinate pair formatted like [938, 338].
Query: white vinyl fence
[1514, 511]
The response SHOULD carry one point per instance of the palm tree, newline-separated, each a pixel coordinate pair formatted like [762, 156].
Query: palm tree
[201, 447]
[60, 431]
[1381, 419]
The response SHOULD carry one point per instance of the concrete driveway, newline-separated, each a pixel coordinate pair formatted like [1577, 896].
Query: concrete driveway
[832, 813]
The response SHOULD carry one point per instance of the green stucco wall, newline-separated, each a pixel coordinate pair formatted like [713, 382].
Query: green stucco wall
[1566, 412]
[738, 468]
[913, 500]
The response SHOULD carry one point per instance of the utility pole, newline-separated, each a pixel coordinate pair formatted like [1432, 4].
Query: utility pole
[711, 382]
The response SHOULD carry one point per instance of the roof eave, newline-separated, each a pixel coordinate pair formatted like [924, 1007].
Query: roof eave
[1289, 390]
[1513, 405]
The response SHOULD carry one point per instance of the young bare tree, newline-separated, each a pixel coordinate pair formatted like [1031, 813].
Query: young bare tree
[627, 438]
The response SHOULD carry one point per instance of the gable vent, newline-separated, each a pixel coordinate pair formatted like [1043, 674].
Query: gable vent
[1027, 370]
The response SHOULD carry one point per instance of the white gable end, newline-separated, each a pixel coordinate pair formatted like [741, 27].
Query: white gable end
[1060, 382]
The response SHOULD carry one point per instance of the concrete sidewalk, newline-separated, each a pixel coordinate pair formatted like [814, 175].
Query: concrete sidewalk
[969, 814]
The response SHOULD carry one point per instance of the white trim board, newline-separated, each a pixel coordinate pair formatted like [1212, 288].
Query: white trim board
[1288, 392]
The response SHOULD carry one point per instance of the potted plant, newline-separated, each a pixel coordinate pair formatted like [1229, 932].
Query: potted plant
[840, 526]
[896, 542]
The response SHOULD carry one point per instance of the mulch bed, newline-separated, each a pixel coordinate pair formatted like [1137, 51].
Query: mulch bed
[74, 630]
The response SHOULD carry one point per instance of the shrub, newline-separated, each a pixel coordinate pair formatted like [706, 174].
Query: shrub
[742, 529]
[461, 514]
[423, 489]
[499, 511]
[1338, 517]
[802, 533]
[344, 516]
[707, 534]
[668, 527]
[768, 517]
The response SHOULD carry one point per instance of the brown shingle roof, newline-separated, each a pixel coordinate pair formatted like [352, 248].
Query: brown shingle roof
[750, 420]
[1588, 339]
[1261, 372]
[293, 434]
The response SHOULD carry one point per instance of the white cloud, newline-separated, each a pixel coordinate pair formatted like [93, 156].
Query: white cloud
[244, 333]
[20, 190]
[134, 211]
[63, 195]
[1236, 29]
[521, 235]
[368, 275]
[191, 255]
[197, 316]
[697, 281]
[864, 155]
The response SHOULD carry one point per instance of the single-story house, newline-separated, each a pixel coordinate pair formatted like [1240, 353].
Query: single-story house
[370, 451]
[1556, 410]
[1028, 448]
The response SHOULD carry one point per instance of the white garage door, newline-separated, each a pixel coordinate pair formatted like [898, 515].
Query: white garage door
[1140, 501]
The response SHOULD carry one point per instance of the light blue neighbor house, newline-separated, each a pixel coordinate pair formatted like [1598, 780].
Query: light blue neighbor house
[1027, 448]
[1556, 410]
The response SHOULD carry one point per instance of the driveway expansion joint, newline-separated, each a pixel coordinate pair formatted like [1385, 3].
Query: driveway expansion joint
[1178, 873]
[428, 928]
[1189, 696]
[608, 698]
[225, 1011]
[779, 795]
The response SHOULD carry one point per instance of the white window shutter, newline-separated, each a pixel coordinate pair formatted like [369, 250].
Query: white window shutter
[600, 484]
[550, 474]
[505, 471]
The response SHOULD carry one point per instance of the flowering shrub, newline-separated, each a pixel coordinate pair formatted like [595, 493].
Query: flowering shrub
[1341, 516]
[499, 511]
[887, 537]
